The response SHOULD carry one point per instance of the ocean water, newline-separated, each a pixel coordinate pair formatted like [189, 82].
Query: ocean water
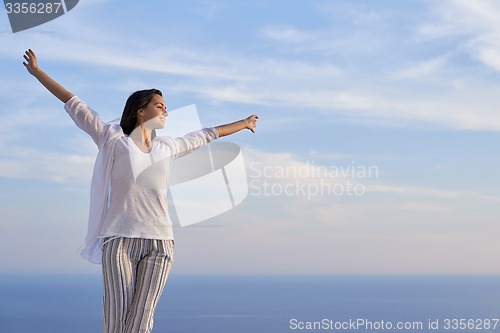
[244, 304]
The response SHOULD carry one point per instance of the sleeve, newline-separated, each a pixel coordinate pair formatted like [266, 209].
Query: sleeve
[192, 141]
[85, 118]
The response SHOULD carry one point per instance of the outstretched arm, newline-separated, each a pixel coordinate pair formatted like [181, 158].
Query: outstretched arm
[227, 129]
[55, 88]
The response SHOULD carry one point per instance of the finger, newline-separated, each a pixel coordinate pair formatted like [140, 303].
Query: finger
[30, 55]
[25, 64]
[25, 57]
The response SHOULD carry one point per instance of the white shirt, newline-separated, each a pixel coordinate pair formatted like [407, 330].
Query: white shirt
[128, 189]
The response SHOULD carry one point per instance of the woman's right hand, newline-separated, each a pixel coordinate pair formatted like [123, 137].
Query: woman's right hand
[31, 63]
[55, 88]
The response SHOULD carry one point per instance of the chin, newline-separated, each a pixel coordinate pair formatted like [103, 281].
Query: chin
[155, 124]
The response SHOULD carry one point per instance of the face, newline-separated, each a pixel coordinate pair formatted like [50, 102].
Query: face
[154, 114]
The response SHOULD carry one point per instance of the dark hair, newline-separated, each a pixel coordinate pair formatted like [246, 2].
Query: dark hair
[136, 101]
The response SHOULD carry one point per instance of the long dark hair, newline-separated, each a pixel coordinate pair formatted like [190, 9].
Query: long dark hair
[136, 101]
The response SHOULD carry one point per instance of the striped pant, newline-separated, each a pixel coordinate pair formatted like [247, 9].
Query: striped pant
[135, 271]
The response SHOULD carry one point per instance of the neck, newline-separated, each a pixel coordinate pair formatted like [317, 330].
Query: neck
[142, 135]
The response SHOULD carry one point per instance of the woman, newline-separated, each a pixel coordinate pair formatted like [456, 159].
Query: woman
[129, 230]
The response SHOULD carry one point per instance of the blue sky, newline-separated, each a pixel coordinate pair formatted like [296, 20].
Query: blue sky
[410, 87]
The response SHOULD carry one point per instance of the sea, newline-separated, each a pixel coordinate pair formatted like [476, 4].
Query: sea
[260, 304]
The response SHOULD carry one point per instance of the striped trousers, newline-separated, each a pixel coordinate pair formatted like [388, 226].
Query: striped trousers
[135, 271]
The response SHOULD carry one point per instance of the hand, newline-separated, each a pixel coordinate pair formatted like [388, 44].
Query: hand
[237, 126]
[251, 122]
[31, 64]
[55, 88]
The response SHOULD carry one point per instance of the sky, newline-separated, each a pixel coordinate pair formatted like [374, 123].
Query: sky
[375, 150]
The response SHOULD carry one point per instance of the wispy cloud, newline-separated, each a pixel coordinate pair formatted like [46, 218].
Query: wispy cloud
[474, 21]
[422, 70]
[37, 164]
[422, 222]
[287, 34]
[329, 87]
[282, 168]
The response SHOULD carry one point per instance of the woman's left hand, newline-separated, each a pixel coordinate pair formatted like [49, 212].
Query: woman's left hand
[251, 122]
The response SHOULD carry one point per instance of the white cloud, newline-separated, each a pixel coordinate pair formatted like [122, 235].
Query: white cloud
[475, 21]
[424, 69]
[316, 86]
[282, 168]
[327, 87]
[430, 193]
[420, 222]
[288, 34]
[37, 164]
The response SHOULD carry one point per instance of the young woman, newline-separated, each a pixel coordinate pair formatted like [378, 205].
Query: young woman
[129, 230]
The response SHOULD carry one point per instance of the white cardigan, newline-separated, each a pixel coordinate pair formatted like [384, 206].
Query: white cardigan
[105, 136]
